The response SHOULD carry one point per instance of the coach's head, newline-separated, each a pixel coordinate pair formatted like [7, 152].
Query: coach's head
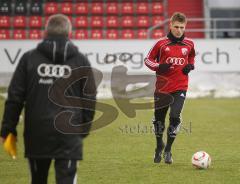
[58, 25]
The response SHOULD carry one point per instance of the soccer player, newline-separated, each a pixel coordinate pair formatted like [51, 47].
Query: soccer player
[172, 58]
[56, 59]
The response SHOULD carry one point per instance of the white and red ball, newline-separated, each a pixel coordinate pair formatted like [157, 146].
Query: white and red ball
[201, 160]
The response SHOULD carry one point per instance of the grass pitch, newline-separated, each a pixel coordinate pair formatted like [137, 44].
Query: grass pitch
[123, 151]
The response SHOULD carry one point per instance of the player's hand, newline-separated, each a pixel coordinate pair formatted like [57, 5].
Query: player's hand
[186, 69]
[163, 68]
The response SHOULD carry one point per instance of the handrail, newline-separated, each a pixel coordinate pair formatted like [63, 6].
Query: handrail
[214, 28]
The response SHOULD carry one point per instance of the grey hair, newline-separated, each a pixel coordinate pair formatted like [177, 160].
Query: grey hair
[58, 25]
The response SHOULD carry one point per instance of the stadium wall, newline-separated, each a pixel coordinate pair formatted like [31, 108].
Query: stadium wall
[217, 71]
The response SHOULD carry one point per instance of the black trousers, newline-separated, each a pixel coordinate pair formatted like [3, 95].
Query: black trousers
[65, 171]
[175, 102]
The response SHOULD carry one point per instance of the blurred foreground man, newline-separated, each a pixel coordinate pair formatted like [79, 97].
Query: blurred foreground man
[54, 59]
[172, 58]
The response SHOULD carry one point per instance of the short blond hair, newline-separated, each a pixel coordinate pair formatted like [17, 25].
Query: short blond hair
[58, 25]
[179, 17]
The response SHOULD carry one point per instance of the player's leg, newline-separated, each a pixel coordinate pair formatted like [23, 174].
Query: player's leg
[39, 170]
[159, 126]
[66, 171]
[174, 123]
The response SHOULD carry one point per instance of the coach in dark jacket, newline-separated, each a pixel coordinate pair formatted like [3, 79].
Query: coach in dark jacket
[53, 62]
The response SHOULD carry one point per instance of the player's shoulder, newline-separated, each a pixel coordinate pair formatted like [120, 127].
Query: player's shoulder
[188, 41]
[161, 41]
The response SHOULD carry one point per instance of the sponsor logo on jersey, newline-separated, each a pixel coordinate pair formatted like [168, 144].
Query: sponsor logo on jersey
[175, 61]
[184, 51]
[57, 71]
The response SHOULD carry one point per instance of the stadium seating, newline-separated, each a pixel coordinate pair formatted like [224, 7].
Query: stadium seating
[112, 8]
[142, 34]
[19, 34]
[112, 34]
[66, 8]
[4, 34]
[142, 8]
[20, 7]
[51, 8]
[81, 22]
[81, 8]
[5, 8]
[35, 22]
[36, 8]
[95, 19]
[19, 22]
[112, 21]
[81, 34]
[5, 22]
[127, 34]
[96, 34]
[35, 34]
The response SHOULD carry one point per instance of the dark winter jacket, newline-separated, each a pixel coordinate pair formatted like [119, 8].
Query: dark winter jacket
[53, 110]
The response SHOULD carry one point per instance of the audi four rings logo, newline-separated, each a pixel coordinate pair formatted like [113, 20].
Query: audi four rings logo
[175, 60]
[50, 70]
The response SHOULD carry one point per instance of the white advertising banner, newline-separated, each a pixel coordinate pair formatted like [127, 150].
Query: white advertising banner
[212, 55]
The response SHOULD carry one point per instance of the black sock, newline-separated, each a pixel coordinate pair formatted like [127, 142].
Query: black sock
[170, 141]
[159, 142]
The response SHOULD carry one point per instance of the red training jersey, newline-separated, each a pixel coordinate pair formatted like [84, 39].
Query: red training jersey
[179, 55]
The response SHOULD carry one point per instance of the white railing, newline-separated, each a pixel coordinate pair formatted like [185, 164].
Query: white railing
[212, 28]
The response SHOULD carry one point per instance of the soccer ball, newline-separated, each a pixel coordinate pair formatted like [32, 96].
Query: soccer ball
[201, 160]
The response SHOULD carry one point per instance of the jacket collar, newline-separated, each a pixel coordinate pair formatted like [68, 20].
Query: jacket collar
[175, 39]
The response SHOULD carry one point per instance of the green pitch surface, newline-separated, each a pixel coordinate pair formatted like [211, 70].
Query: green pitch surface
[123, 151]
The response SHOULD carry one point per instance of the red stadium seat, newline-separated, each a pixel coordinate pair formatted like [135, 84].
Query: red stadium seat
[112, 34]
[112, 21]
[96, 21]
[112, 8]
[81, 34]
[127, 8]
[157, 8]
[127, 34]
[51, 8]
[97, 34]
[142, 34]
[19, 34]
[66, 8]
[5, 22]
[97, 8]
[81, 8]
[81, 22]
[35, 34]
[4, 34]
[143, 21]
[35, 22]
[127, 21]
[157, 33]
[19, 21]
[142, 8]
[157, 20]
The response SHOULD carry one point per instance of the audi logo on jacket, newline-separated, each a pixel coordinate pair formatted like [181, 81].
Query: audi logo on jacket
[54, 59]
[175, 52]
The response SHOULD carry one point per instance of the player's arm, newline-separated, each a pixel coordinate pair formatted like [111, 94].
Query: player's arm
[15, 100]
[151, 61]
[191, 61]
